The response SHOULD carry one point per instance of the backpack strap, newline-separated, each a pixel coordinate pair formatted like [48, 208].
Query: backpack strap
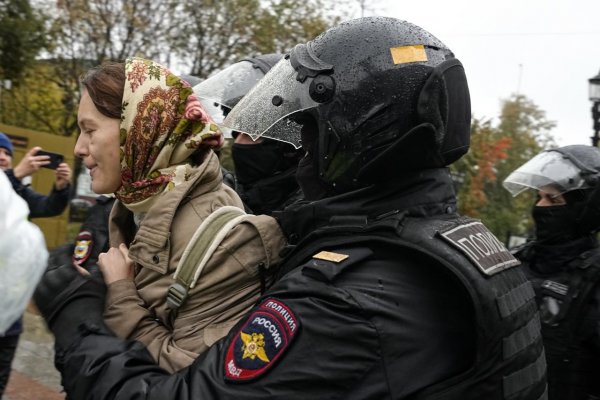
[199, 250]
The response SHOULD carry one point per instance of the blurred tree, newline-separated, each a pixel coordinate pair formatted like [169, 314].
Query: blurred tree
[100, 30]
[522, 132]
[22, 37]
[479, 166]
[215, 34]
[40, 108]
[85, 33]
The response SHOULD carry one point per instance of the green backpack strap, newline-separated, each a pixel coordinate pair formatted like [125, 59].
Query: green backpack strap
[199, 250]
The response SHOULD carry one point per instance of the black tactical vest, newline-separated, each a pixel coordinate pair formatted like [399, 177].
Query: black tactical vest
[568, 323]
[510, 362]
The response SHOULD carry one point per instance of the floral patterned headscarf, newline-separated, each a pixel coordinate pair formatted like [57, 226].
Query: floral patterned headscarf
[162, 125]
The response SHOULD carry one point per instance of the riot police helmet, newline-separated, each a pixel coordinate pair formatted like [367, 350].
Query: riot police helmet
[383, 96]
[564, 169]
[221, 92]
[570, 171]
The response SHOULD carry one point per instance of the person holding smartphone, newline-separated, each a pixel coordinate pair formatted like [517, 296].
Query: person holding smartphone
[40, 206]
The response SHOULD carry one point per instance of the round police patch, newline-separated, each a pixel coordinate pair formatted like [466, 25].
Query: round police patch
[83, 247]
[261, 340]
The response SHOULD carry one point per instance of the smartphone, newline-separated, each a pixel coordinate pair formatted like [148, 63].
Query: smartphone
[55, 159]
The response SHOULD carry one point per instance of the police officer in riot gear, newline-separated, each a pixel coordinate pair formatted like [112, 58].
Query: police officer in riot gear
[385, 291]
[563, 263]
[264, 169]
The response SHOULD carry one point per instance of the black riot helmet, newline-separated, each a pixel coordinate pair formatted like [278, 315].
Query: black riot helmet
[572, 171]
[384, 97]
[260, 65]
[222, 91]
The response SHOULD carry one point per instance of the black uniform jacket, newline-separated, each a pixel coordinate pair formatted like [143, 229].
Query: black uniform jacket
[357, 322]
[40, 206]
[566, 279]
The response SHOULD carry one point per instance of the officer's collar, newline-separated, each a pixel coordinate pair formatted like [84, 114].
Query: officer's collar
[423, 193]
[549, 259]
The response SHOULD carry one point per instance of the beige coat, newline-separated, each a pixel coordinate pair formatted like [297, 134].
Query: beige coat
[229, 284]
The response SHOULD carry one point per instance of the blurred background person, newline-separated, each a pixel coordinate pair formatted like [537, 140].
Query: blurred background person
[40, 206]
[563, 263]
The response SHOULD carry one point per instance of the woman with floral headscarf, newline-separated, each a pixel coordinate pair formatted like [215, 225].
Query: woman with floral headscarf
[146, 137]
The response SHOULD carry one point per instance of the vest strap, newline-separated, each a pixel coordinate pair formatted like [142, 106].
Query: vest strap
[515, 299]
[525, 377]
[522, 338]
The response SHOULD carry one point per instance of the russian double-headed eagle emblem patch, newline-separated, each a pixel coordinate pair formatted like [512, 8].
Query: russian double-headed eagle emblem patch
[261, 340]
[83, 247]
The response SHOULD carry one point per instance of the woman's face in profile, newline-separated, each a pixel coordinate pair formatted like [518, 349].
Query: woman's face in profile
[98, 146]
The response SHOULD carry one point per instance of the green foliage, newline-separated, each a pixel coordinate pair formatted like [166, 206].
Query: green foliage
[38, 102]
[22, 37]
[215, 34]
[496, 151]
[285, 23]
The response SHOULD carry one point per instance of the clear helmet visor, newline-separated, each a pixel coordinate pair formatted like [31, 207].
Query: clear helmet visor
[268, 110]
[220, 92]
[549, 168]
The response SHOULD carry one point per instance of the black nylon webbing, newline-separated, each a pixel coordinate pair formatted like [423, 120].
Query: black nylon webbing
[521, 338]
[525, 377]
[515, 299]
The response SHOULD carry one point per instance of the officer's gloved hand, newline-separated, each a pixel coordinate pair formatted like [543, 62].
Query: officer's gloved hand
[67, 299]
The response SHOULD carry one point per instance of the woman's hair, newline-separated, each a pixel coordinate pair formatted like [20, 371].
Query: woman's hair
[105, 85]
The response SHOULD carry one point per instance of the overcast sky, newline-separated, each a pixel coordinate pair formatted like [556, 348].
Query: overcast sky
[546, 50]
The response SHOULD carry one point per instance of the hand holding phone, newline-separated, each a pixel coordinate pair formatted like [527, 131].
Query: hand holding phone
[55, 159]
[35, 159]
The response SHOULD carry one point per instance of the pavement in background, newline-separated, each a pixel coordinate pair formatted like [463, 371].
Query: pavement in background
[33, 376]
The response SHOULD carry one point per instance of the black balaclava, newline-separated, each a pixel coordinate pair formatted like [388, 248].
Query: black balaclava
[554, 224]
[559, 224]
[265, 173]
[559, 237]
[254, 162]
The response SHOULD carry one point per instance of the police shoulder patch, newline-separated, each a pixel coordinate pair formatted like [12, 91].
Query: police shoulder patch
[480, 246]
[261, 341]
[83, 247]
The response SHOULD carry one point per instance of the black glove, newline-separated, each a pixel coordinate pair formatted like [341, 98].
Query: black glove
[67, 299]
